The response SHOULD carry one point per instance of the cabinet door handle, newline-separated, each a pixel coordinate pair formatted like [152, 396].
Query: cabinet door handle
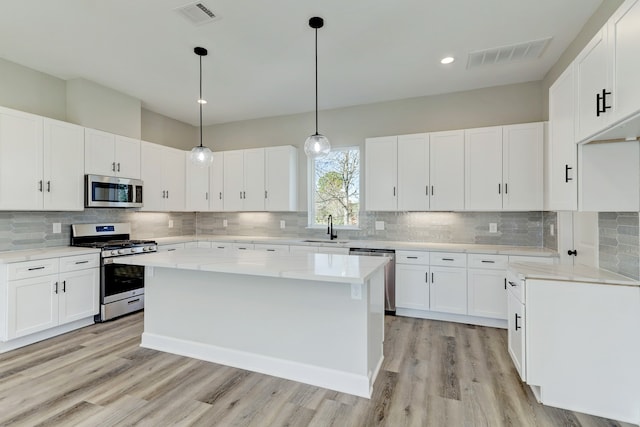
[48, 186]
[241, 194]
[64, 286]
[394, 191]
[426, 277]
[426, 190]
[447, 259]
[518, 317]
[506, 189]
[572, 252]
[167, 194]
[265, 194]
[244, 194]
[487, 261]
[133, 300]
[499, 189]
[113, 166]
[221, 195]
[602, 98]
[118, 166]
[513, 284]
[40, 186]
[505, 283]
[56, 289]
[82, 262]
[566, 173]
[432, 190]
[206, 195]
[598, 105]
[36, 268]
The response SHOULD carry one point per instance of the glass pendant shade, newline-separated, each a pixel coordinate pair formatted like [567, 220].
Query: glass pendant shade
[317, 146]
[201, 156]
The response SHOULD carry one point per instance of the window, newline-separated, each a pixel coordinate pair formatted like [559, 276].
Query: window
[335, 188]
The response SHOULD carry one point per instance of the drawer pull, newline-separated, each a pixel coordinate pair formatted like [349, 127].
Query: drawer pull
[133, 300]
[271, 250]
[242, 249]
[64, 286]
[169, 250]
[56, 290]
[220, 247]
[412, 257]
[488, 261]
[518, 317]
[82, 262]
[514, 284]
[36, 268]
[448, 259]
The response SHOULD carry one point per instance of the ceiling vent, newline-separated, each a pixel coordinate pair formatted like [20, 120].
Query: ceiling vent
[514, 52]
[197, 13]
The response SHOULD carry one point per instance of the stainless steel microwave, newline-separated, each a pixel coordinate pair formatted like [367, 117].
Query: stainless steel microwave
[112, 192]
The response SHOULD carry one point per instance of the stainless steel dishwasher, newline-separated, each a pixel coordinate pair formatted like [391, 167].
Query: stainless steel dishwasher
[389, 274]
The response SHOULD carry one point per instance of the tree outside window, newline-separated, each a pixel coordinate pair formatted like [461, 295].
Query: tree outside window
[336, 188]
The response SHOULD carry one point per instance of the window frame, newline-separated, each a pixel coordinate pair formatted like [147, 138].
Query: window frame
[311, 191]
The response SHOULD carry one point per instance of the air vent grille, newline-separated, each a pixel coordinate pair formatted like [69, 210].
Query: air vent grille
[516, 52]
[197, 13]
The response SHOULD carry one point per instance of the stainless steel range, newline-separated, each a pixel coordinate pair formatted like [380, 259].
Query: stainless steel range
[121, 286]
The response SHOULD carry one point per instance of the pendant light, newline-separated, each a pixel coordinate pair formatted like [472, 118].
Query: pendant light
[317, 145]
[201, 156]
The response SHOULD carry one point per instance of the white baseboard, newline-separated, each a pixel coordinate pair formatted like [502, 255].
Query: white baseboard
[345, 382]
[43, 335]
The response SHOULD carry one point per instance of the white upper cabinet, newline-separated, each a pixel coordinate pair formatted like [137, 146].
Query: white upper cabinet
[197, 186]
[561, 184]
[503, 166]
[42, 163]
[280, 178]
[522, 147]
[607, 89]
[216, 180]
[63, 176]
[163, 173]
[244, 180]
[483, 168]
[111, 155]
[446, 170]
[413, 172]
[381, 173]
[417, 172]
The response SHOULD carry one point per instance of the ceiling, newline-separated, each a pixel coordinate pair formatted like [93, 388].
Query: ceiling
[261, 53]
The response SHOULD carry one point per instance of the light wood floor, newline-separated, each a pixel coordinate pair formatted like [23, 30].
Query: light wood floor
[435, 374]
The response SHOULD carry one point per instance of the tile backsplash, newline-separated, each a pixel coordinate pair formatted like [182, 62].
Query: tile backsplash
[619, 243]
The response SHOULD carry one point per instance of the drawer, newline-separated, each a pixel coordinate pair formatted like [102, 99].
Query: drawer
[172, 247]
[516, 286]
[271, 248]
[448, 259]
[488, 261]
[79, 262]
[539, 259]
[412, 257]
[27, 269]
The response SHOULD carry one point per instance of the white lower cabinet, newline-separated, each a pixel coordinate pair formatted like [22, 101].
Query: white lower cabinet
[271, 248]
[516, 333]
[448, 289]
[48, 293]
[412, 286]
[487, 286]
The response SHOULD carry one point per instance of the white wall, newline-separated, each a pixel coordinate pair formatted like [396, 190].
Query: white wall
[519, 103]
[164, 130]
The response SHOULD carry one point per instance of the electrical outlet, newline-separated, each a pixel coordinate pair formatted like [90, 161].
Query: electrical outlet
[379, 225]
[493, 227]
[282, 224]
[552, 230]
[356, 291]
[224, 223]
[170, 223]
[57, 227]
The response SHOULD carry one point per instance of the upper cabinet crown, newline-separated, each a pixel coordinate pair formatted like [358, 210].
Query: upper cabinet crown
[111, 155]
[607, 88]
[416, 172]
[42, 163]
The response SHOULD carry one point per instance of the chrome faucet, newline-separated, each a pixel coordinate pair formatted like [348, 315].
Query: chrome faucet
[330, 232]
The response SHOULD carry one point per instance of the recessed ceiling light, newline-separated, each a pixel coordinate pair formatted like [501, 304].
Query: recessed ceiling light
[447, 60]
[202, 101]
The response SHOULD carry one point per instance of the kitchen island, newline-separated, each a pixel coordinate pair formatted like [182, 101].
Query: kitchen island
[312, 318]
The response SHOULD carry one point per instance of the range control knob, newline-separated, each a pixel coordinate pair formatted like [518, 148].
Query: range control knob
[150, 248]
[120, 251]
[114, 252]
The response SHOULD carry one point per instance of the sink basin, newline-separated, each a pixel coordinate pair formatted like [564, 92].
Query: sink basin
[323, 241]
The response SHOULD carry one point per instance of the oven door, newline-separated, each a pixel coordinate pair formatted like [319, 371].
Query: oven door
[120, 281]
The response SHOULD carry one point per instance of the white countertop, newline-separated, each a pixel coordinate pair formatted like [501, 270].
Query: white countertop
[322, 267]
[571, 273]
[377, 244]
[9, 257]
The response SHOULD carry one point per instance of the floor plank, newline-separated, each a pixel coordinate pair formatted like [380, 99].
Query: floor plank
[434, 374]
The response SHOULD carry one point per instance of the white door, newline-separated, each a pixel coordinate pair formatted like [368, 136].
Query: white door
[449, 289]
[79, 294]
[522, 167]
[197, 186]
[216, 179]
[173, 177]
[412, 286]
[127, 157]
[381, 173]
[153, 196]
[253, 192]
[487, 293]
[21, 182]
[447, 171]
[32, 305]
[413, 172]
[562, 183]
[233, 181]
[280, 178]
[590, 68]
[516, 333]
[623, 45]
[63, 166]
[483, 169]
[99, 152]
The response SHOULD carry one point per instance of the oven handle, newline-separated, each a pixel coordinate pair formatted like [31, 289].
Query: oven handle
[133, 300]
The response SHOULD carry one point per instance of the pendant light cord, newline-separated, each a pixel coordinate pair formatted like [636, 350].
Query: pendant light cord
[316, 81]
[200, 101]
